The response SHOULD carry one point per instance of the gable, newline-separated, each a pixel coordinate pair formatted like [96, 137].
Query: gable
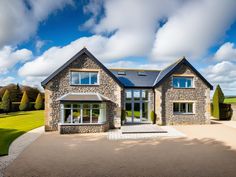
[167, 72]
[82, 52]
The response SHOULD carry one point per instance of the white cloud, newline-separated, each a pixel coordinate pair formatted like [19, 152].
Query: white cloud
[39, 44]
[7, 80]
[19, 21]
[10, 56]
[226, 52]
[193, 29]
[222, 73]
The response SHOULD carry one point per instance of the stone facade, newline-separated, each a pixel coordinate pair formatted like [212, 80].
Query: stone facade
[83, 128]
[166, 95]
[60, 85]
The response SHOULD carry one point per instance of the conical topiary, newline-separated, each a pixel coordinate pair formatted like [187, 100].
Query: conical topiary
[6, 102]
[24, 104]
[39, 102]
[218, 98]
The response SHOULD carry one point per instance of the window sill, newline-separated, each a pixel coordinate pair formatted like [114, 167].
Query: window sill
[81, 124]
[84, 85]
[175, 113]
[184, 88]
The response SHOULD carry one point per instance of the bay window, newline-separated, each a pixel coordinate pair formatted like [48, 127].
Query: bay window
[83, 113]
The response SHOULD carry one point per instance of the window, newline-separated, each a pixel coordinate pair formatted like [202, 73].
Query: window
[84, 78]
[183, 108]
[183, 82]
[80, 113]
[121, 73]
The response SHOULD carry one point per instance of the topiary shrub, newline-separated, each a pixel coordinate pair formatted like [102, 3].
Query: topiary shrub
[6, 102]
[153, 117]
[218, 98]
[38, 102]
[24, 104]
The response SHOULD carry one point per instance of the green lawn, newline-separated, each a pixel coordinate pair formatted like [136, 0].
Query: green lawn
[15, 124]
[136, 114]
[230, 100]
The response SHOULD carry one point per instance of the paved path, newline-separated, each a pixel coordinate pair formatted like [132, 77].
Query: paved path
[18, 146]
[166, 131]
[207, 151]
[230, 123]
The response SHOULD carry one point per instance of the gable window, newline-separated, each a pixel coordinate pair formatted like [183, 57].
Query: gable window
[84, 78]
[183, 108]
[183, 82]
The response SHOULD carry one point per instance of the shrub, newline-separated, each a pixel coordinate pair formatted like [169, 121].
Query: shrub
[123, 115]
[218, 98]
[6, 102]
[24, 104]
[226, 111]
[38, 102]
[153, 117]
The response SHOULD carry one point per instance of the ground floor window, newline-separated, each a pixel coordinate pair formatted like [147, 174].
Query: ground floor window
[183, 108]
[83, 113]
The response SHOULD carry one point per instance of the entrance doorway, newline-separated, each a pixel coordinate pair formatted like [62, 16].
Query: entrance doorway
[137, 106]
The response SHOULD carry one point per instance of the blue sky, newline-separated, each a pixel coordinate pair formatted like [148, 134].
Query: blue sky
[38, 36]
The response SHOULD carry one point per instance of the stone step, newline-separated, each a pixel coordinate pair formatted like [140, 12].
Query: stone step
[147, 128]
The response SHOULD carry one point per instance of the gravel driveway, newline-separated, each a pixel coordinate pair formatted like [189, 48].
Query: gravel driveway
[208, 150]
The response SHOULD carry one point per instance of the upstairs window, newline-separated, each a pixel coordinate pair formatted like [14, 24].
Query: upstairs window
[84, 78]
[183, 82]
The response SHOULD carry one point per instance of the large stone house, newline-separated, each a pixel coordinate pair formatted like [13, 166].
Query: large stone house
[85, 96]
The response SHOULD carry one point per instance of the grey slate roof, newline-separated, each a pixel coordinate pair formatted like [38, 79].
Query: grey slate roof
[132, 79]
[96, 97]
[153, 78]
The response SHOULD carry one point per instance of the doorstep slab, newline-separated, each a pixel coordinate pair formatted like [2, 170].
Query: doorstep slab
[142, 128]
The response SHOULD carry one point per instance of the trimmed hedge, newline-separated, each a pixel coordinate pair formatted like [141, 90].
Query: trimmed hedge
[15, 107]
[218, 98]
[153, 117]
[226, 111]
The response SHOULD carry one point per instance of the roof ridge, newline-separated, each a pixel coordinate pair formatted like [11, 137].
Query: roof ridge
[131, 69]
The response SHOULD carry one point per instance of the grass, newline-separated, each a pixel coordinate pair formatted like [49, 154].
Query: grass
[230, 100]
[136, 113]
[14, 124]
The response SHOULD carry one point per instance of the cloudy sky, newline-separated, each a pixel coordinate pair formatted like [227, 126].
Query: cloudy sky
[38, 36]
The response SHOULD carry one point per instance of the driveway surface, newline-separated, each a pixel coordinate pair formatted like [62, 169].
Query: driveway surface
[207, 151]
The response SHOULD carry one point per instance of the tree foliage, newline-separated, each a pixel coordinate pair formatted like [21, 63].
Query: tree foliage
[24, 104]
[6, 102]
[38, 102]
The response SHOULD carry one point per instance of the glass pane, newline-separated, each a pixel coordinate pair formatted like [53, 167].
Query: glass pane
[84, 77]
[144, 94]
[183, 107]
[136, 94]
[190, 107]
[176, 107]
[136, 112]
[128, 95]
[67, 105]
[145, 111]
[76, 116]
[128, 110]
[94, 78]
[175, 82]
[182, 82]
[95, 115]
[95, 105]
[86, 115]
[86, 105]
[189, 82]
[76, 106]
[102, 114]
[67, 116]
[75, 77]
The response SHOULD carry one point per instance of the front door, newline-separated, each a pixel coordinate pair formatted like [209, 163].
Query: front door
[136, 106]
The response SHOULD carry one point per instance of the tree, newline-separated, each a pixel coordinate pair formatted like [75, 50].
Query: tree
[218, 98]
[24, 104]
[38, 102]
[6, 101]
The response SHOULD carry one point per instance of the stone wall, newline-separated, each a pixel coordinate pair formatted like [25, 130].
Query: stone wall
[83, 128]
[166, 95]
[60, 85]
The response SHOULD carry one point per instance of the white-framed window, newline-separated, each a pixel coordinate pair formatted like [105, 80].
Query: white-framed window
[83, 113]
[84, 78]
[183, 108]
[182, 82]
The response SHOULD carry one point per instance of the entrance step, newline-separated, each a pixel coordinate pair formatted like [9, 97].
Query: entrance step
[142, 128]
